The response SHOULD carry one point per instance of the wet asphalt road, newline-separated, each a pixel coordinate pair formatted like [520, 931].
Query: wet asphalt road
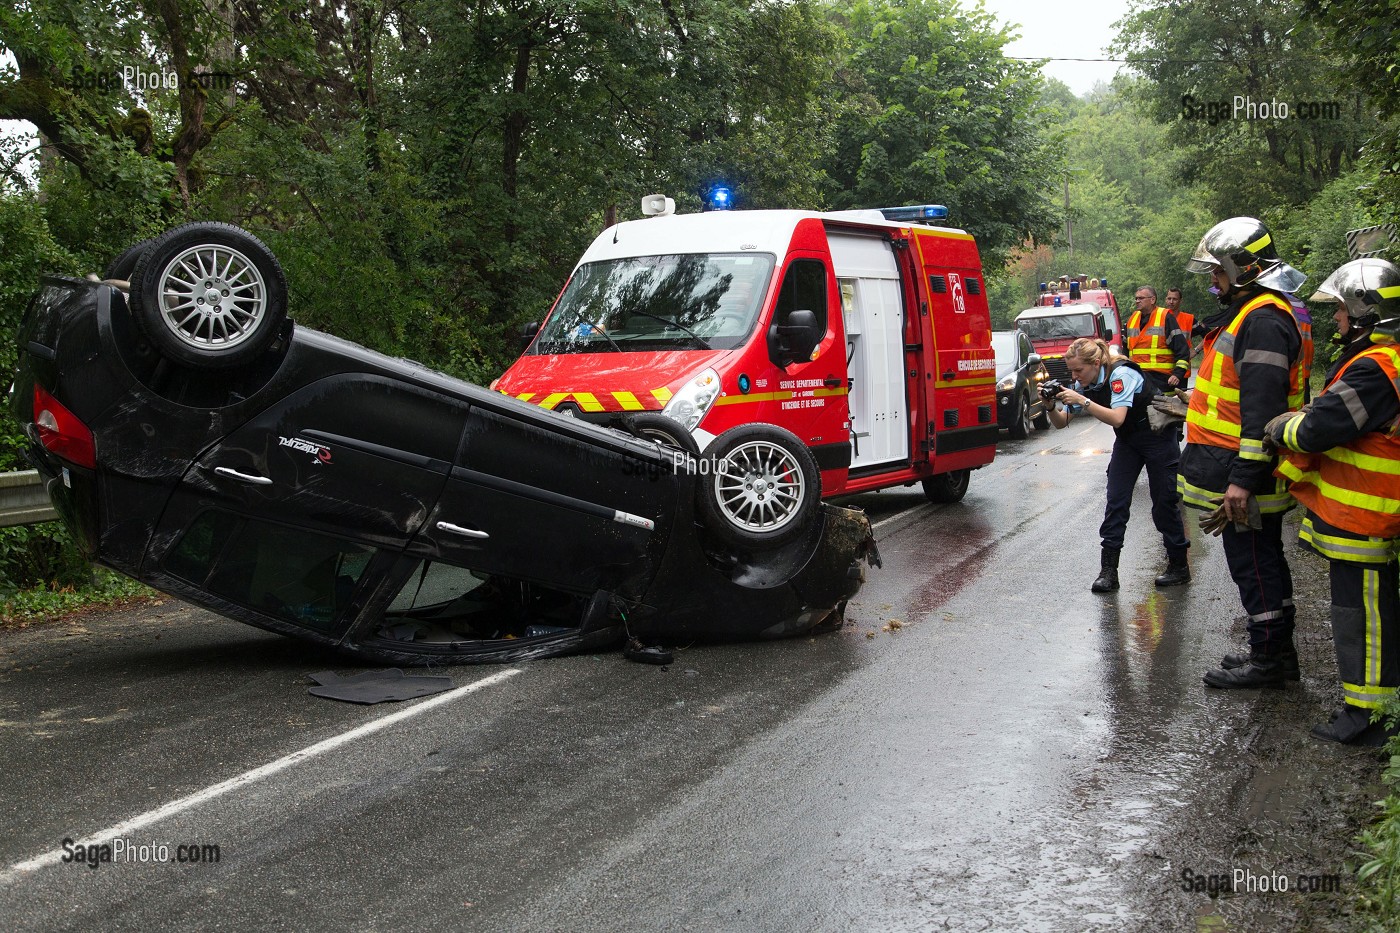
[985, 746]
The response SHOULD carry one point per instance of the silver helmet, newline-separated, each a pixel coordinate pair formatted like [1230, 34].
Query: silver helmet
[1369, 288]
[1244, 249]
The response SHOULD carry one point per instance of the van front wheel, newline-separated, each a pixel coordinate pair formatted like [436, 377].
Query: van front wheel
[947, 487]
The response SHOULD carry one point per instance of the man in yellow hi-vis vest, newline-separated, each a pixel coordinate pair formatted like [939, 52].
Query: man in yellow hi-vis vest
[1254, 367]
[1154, 340]
[1341, 456]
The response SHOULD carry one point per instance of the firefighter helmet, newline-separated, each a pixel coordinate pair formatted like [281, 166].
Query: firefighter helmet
[1368, 288]
[1243, 249]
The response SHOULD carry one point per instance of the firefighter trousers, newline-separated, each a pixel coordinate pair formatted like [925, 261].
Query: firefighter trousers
[1261, 574]
[1365, 619]
[1160, 454]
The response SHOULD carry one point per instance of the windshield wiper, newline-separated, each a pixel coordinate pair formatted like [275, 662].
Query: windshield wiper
[597, 328]
[674, 323]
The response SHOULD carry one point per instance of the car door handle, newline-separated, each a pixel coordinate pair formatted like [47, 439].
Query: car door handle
[243, 477]
[459, 530]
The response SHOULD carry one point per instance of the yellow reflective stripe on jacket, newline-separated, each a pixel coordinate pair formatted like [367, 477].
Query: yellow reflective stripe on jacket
[1253, 449]
[1357, 550]
[1352, 497]
[1198, 497]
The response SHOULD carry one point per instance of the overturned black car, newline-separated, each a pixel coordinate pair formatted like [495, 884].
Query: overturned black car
[192, 437]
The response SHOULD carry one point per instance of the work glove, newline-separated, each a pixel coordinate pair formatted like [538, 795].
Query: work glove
[1170, 405]
[1273, 431]
[1214, 522]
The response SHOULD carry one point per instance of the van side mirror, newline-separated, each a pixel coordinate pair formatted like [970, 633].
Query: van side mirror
[1033, 359]
[795, 340]
[528, 332]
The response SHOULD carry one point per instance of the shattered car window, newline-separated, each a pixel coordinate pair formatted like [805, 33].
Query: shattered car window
[300, 576]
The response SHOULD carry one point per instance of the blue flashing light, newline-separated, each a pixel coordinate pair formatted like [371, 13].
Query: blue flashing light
[1044, 287]
[1103, 282]
[1073, 291]
[719, 198]
[915, 212]
[1057, 301]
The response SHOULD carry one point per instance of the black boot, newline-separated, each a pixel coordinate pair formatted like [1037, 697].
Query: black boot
[1288, 658]
[1177, 571]
[1351, 725]
[1108, 571]
[1261, 670]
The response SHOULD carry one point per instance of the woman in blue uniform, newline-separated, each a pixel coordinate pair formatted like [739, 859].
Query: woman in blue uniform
[1111, 389]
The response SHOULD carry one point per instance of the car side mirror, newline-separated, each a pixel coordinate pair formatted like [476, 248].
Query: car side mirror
[528, 332]
[794, 340]
[1033, 359]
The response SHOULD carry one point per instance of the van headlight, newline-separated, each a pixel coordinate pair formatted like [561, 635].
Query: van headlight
[694, 399]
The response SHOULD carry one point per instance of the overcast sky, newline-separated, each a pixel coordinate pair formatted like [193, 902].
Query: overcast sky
[1050, 29]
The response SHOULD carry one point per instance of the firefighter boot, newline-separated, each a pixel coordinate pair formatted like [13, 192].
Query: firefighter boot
[1288, 657]
[1351, 725]
[1108, 571]
[1177, 572]
[1261, 670]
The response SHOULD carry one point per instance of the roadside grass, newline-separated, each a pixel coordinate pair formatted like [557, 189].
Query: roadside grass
[1379, 874]
[37, 605]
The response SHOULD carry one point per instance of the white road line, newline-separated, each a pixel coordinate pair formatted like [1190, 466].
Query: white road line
[249, 777]
[912, 508]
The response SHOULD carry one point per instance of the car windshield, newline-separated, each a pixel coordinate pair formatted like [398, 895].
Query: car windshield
[1004, 346]
[695, 301]
[1059, 327]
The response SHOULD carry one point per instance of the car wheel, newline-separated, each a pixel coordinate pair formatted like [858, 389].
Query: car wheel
[1021, 424]
[655, 426]
[208, 295]
[760, 486]
[121, 268]
[1042, 420]
[947, 487]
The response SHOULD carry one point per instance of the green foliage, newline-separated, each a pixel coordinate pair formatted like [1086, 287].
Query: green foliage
[1379, 874]
[1209, 52]
[921, 129]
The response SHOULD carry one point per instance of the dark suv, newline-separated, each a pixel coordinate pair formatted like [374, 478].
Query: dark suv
[195, 439]
[1019, 373]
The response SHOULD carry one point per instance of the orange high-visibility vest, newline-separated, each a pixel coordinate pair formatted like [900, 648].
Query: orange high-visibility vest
[1185, 320]
[1355, 487]
[1214, 415]
[1147, 346]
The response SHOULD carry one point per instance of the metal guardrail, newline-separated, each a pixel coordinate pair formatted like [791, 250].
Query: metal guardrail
[23, 500]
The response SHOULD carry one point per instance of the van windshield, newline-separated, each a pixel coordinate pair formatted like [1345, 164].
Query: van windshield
[1062, 327]
[695, 301]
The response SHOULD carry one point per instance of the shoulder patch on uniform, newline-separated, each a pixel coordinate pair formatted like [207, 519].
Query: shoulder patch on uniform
[1117, 385]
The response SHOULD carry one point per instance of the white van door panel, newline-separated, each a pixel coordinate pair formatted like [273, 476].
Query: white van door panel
[872, 309]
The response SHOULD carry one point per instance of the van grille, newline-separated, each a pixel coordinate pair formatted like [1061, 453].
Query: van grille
[1057, 369]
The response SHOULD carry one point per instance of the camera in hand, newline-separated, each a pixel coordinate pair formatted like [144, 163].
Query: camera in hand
[1051, 389]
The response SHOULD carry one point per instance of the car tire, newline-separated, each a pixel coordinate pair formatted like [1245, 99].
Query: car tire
[1021, 423]
[1042, 420]
[759, 487]
[121, 268]
[196, 267]
[947, 487]
[655, 426]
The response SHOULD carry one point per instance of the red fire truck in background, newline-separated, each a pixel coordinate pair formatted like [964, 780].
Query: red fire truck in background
[1066, 310]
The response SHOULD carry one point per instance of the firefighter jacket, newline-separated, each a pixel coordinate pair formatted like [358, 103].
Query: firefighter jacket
[1342, 457]
[1253, 368]
[1158, 346]
[1110, 384]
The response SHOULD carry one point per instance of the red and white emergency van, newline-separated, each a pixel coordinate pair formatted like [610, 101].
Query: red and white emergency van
[1085, 290]
[863, 338]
